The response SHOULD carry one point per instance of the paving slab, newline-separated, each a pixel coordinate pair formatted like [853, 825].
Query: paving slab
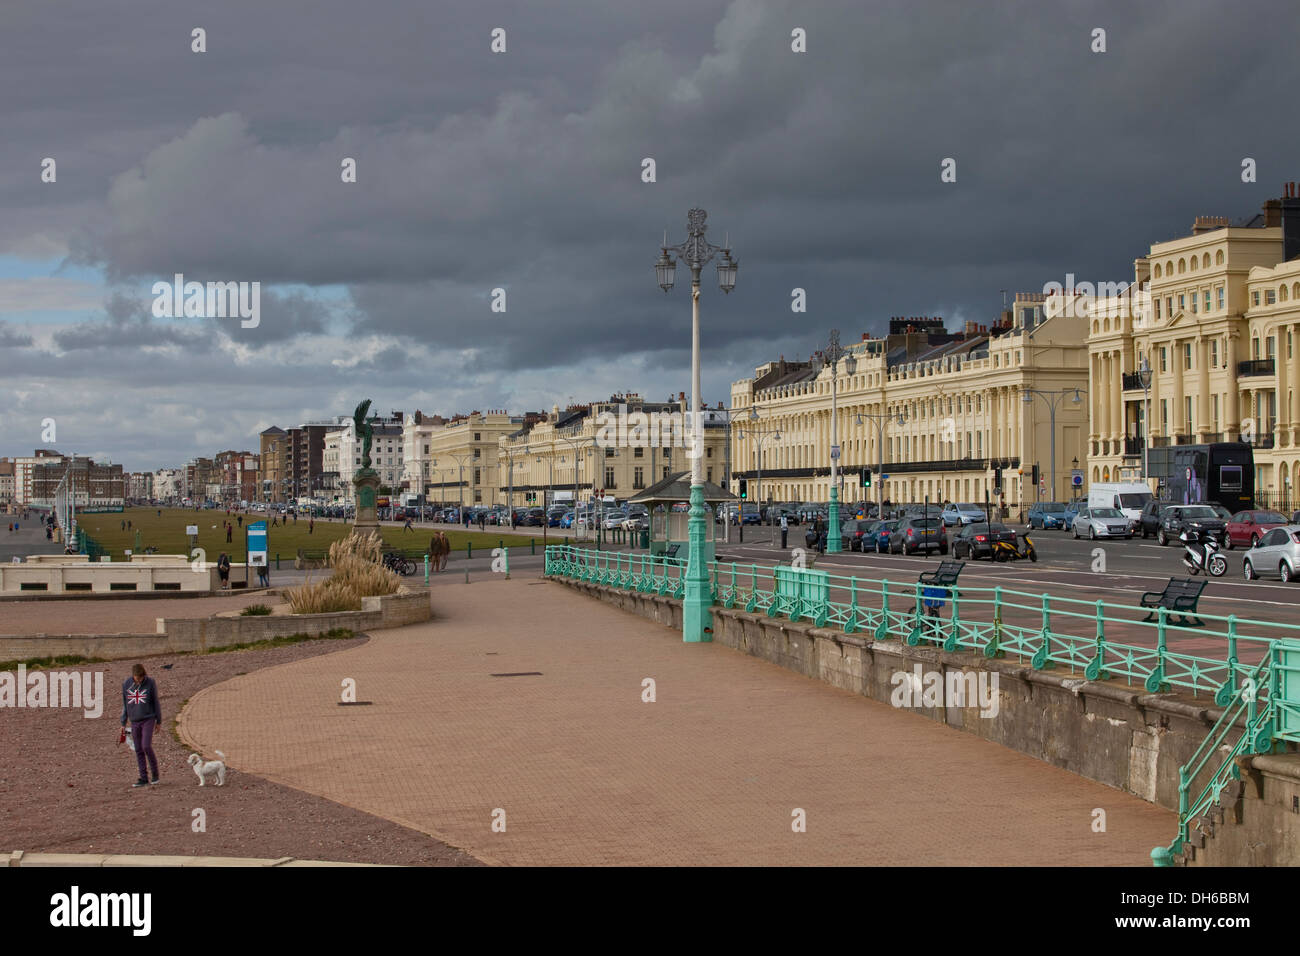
[522, 704]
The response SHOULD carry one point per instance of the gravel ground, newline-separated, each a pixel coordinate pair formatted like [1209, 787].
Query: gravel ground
[65, 783]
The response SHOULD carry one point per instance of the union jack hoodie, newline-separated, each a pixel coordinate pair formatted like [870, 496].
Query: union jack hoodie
[140, 701]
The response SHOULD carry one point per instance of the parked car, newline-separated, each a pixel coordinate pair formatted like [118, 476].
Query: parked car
[614, 519]
[1246, 528]
[1072, 511]
[883, 531]
[1278, 552]
[860, 535]
[1175, 519]
[1047, 515]
[1101, 523]
[918, 534]
[1149, 519]
[976, 540]
[959, 514]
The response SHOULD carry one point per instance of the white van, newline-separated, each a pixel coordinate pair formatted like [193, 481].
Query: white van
[1126, 496]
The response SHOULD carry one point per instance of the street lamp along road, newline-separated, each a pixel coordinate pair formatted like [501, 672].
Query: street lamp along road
[1144, 378]
[878, 419]
[1053, 398]
[833, 355]
[696, 252]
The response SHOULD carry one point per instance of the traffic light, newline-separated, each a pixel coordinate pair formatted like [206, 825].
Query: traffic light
[866, 477]
[1034, 475]
[744, 488]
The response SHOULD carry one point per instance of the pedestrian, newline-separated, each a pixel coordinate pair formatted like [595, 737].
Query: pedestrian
[230, 531]
[128, 524]
[467, 520]
[123, 525]
[295, 517]
[785, 530]
[223, 570]
[407, 526]
[444, 549]
[264, 574]
[482, 520]
[240, 519]
[140, 705]
[159, 512]
[311, 525]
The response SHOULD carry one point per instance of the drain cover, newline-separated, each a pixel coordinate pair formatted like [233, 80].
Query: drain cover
[519, 674]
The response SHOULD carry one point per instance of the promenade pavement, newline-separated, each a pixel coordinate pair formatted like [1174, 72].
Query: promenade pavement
[587, 773]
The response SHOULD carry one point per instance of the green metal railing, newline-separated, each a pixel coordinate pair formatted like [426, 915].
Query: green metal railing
[1255, 678]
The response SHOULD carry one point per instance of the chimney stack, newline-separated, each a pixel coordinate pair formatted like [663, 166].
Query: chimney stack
[1289, 220]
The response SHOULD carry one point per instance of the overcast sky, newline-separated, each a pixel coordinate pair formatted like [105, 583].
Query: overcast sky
[522, 170]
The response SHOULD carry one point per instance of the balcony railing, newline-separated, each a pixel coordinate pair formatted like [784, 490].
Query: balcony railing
[1256, 367]
[1132, 381]
[1132, 447]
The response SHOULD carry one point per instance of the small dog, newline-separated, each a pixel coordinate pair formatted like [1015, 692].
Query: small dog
[204, 767]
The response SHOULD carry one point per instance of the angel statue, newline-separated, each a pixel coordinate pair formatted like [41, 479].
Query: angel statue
[365, 431]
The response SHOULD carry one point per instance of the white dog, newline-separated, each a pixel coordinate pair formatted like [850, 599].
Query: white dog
[204, 767]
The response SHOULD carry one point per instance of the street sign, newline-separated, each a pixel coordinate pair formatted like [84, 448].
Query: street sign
[835, 452]
[191, 529]
[1076, 479]
[256, 545]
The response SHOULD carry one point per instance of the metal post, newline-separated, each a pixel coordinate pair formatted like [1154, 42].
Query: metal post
[833, 511]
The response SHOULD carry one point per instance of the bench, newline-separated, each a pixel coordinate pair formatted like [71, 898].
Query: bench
[672, 552]
[937, 583]
[945, 575]
[1180, 597]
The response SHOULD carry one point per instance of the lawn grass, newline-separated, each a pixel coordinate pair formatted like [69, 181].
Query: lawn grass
[167, 534]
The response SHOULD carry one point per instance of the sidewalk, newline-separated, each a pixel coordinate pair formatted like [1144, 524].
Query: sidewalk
[589, 774]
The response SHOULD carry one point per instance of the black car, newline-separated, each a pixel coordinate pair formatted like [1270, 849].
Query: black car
[976, 540]
[1149, 520]
[1175, 519]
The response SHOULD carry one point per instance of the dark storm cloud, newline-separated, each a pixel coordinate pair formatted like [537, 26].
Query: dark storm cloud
[522, 171]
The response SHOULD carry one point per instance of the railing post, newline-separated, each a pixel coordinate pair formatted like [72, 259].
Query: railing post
[882, 628]
[1096, 667]
[505, 553]
[1228, 688]
[1157, 676]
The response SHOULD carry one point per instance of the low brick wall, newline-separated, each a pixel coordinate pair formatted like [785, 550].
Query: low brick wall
[180, 635]
[1108, 732]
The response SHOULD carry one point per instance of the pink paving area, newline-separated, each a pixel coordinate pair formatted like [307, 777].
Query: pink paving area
[584, 772]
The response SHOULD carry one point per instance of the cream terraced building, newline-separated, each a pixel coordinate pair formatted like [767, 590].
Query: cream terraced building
[575, 451]
[965, 429]
[1218, 326]
[451, 461]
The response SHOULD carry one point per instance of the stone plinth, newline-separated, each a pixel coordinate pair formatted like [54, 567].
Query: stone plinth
[366, 483]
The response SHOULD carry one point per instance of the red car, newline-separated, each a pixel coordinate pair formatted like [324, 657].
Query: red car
[1245, 528]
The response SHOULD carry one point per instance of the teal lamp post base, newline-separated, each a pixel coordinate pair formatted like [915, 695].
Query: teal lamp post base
[833, 523]
[697, 618]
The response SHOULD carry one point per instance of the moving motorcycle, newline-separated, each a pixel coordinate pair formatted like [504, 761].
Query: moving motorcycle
[1202, 554]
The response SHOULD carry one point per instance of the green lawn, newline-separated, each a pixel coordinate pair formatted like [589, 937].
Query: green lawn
[167, 534]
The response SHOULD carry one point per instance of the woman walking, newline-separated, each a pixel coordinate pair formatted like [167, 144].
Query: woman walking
[140, 705]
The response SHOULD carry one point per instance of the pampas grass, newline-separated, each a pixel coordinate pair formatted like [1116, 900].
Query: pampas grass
[358, 572]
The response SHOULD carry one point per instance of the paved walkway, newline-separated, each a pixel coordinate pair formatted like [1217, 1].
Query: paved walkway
[589, 774]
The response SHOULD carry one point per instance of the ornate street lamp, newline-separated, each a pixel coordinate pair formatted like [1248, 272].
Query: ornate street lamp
[833, 355]
[696, 252]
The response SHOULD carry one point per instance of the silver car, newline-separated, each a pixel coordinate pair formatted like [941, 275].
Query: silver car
[1101, 523]
[1278, 552]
